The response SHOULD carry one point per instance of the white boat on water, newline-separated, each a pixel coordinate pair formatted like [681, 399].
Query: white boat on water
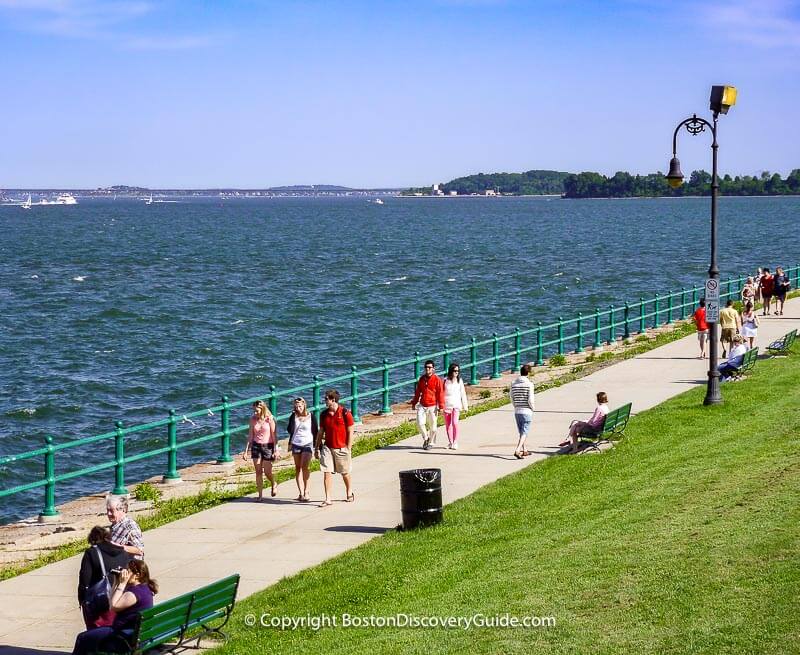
[66, 199]
[27, 203]
[377, 201]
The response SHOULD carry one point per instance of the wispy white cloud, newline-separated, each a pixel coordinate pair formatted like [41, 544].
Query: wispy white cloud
[99, 20]
[762, 23]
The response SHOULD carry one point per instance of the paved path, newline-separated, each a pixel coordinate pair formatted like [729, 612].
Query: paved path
[38, 610]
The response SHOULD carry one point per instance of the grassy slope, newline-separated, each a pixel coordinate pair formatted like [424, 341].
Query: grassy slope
[683, 539]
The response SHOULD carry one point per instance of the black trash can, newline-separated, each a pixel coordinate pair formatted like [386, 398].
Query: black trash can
[421, 497]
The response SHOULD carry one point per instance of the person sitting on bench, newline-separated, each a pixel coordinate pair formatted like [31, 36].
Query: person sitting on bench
[590, 428]
[735, 359]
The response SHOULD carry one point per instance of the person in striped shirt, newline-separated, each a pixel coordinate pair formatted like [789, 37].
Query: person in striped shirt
[521, 393]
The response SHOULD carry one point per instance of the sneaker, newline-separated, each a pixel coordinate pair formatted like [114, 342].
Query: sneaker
[454, 446]
[426, 443]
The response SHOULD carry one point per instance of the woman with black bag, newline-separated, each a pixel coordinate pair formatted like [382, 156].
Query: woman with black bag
[98, 561]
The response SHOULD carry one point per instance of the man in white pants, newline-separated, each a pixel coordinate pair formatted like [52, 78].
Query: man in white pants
[429, 395]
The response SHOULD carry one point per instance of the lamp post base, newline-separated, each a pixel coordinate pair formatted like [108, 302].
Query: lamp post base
[713, 396]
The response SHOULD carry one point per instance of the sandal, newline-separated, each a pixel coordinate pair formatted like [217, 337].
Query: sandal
[274, 493]
[566, 442]
[326, 503]
[518, 455]
[351, 498]
[525, 453]
[300, 498]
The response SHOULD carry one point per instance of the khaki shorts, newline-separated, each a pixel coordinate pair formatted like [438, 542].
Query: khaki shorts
[334, 460]
[727, 334]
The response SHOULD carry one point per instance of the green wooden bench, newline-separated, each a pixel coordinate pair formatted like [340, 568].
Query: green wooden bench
[748, 362]
[185, 618]
[782, 345]
[613, 427]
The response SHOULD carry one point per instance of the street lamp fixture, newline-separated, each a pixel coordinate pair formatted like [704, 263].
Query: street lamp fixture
[722, 99]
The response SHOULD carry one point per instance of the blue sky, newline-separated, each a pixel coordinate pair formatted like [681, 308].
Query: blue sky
[256, 94]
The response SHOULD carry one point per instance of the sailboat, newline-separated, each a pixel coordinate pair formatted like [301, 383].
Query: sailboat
[149, 201]
[27, 204]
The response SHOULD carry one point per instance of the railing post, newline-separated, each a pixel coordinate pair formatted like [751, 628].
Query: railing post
[473, 362]
[416, 365]
[539, 346]
[495, 356]
[387, 406]
[273, 400]
[354, 393]
[446, 358]
[642, 326]
[172, 476]
[315, 398]
[612, 329]
[683, 303]
[225, 439]
[596, 328]
[669, 308]
[627, 333]
[560, 336]
[49, 512]
[579, 324]
[119, 462]
[657, 318]
[517, 348]
[694, 297]
[797, 277]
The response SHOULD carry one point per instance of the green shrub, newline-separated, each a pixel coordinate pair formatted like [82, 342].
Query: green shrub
[485, 393]
[558, 360]
[146, 491]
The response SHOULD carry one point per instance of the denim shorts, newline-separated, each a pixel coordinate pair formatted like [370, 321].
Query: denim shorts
[523, 422]
[262, 451]
[299, 450]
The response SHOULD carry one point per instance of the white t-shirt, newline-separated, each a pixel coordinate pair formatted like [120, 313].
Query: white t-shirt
[302, 432]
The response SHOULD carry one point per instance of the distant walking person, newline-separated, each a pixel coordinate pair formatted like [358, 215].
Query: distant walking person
[428, 397]
[521, 393]
[333, 445]
[749, 291]
[262, 447]
[455, 401]
[699, 317]
[781, 289]
[728, 324]
[302, 429]
[767, 286]
[749, 323]
[125, 532]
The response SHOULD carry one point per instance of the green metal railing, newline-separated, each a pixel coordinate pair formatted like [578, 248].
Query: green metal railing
[378, 383]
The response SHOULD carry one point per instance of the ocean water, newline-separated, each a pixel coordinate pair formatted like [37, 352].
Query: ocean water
[117, 310]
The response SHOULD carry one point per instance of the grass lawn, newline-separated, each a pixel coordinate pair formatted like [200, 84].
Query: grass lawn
[685, 538]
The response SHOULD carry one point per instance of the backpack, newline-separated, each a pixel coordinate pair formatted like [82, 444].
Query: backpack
[98, 596]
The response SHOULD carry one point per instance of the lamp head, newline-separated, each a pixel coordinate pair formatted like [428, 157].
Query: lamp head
[675, 177]
[722, 99]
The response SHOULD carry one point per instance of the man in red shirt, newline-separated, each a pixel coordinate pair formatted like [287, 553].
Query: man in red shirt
[699, 317]
[429, 394]
[333, 444]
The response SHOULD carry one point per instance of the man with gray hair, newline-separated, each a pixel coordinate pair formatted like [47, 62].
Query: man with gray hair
[125, 532]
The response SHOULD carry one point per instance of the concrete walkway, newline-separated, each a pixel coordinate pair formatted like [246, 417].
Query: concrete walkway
[38, 610]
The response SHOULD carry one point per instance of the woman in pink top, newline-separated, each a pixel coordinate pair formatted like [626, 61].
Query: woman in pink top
[590, 428]
[262, 446]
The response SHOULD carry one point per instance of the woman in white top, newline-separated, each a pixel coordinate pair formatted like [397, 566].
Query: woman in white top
[302, 429]
[455, 401]
[749, 323]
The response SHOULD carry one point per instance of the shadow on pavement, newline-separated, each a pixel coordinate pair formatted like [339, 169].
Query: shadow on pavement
[24, 650]
[366, 529]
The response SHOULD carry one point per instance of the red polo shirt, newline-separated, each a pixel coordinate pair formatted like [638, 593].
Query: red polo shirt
[335, 425]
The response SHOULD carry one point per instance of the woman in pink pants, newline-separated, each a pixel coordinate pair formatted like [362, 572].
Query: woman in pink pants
[455, 401]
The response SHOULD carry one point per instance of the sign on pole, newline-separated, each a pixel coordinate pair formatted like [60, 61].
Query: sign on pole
[712, 300]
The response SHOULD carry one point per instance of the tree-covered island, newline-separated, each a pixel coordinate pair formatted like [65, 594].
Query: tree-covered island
[620, 185]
